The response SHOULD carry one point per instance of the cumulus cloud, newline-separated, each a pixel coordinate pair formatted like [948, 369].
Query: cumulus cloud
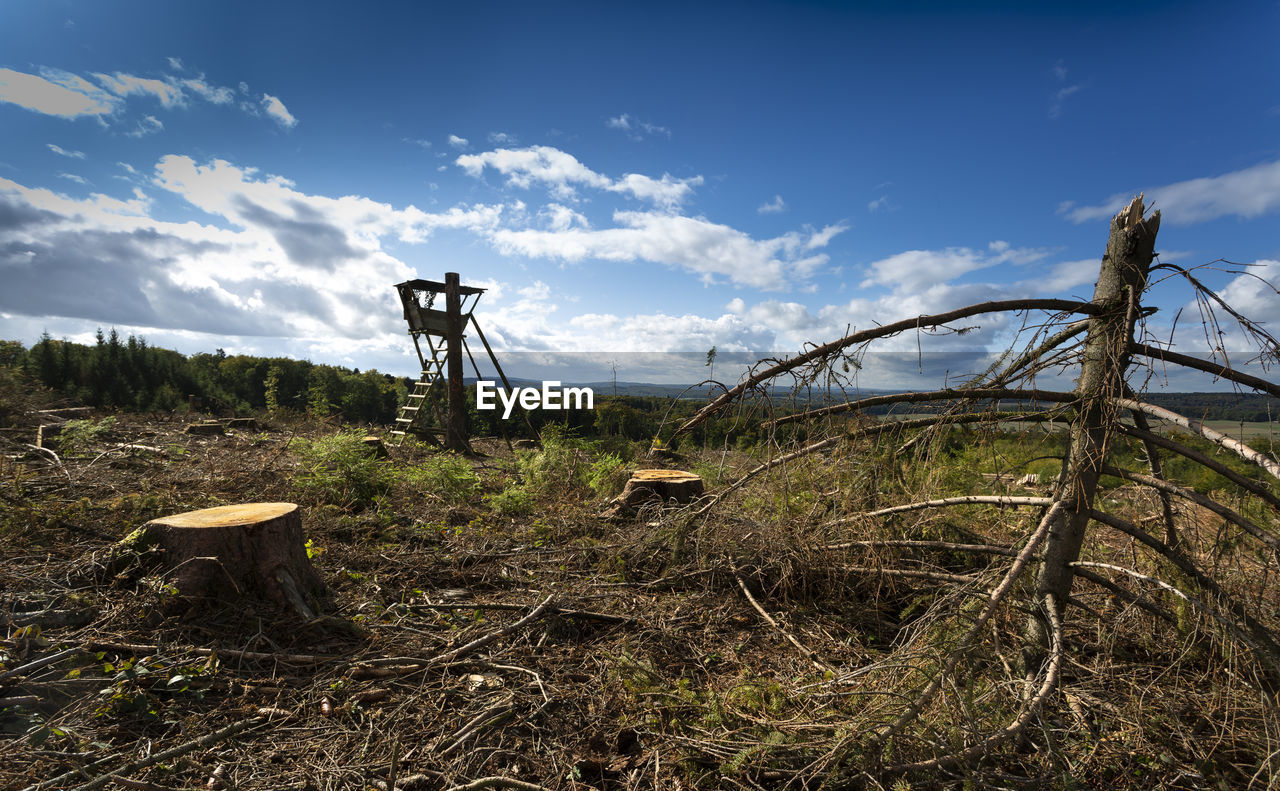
[1248, 193]
[276, 109]
[775, 206]
[459, 143]
[916, 269]
[562, 173]
[277, 262]
[693, 244]
[57, 93]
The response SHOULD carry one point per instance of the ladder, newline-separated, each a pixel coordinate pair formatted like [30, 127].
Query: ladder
[409, 420]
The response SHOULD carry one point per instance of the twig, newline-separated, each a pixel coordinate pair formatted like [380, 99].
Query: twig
[809, 654]
[498, 782]
[1028, 711]
[208, 740]
[41, 662]
[970, 499]
[989, 549]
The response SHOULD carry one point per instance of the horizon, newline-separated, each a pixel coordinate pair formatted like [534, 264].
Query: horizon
[622, 180]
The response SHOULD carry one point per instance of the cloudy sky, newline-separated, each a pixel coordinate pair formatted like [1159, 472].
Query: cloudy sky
[624, 178]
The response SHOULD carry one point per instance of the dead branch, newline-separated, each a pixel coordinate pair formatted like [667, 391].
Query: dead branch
[498, 782]
[808, 653]
[1199, 499]
[920, 322]
[1126, 595]
[1222, 371]
[1212, 612]
[989, 549]
[1233, 445]
[1020, 564]
[1207, 461]
[208, 740]
[975, 394]
[968, 499]
[1029, 710]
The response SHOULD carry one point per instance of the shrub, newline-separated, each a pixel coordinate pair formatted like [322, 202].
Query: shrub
[607, 475]
[79, 435]
[339, 470]
[515, 501]
[447, 476]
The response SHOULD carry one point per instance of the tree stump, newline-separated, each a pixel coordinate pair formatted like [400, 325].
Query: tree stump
[209, 428]
[660, 485]
[375, 447]
[254, 550]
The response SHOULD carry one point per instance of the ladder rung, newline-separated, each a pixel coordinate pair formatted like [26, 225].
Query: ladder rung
[404, 420]
[401, 433]
[410, 408]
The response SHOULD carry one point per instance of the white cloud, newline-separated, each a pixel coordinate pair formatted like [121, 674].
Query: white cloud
[691, 243]
[636, 130]
[775, 206]
[317, 262]
[914, 270]
[147, 125]
[563, 173]
[459, 143]
[502, 139]
[210, 93]
[123, 85]
[72, 177]
[879, 203]
[424, 144]
[56, 93]
[276, 109]
[62, 152]
[1248, 193]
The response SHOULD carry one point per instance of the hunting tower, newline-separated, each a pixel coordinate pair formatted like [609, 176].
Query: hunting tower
[441, 360]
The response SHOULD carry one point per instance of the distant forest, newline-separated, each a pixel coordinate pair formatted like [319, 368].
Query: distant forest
[133, 376]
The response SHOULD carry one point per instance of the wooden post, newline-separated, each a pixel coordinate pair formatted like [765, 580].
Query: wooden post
[456, 431]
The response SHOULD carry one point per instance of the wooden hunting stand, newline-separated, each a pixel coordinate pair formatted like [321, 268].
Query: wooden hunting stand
[442, 359]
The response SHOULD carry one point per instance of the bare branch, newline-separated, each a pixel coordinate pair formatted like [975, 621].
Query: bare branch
[1199, 499]
[968, 499]
[985, 393]
[1217, 437]
[920, 322]
[1205, 460]
[1221, 371]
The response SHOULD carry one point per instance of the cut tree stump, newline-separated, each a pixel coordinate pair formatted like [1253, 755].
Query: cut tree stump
[660, 485]
[209, 428]
[254, 550]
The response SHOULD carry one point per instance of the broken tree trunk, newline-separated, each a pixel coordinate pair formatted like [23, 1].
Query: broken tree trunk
[256, 550]
[1116, 297]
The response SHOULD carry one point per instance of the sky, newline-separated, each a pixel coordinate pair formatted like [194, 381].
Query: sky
[626, 180]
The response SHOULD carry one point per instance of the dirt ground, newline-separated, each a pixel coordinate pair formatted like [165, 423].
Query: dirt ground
[463, 649]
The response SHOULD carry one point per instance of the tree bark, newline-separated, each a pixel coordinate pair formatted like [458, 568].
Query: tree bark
[1116, 299]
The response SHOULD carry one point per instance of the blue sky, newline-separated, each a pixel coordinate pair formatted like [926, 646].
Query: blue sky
[625, 178]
